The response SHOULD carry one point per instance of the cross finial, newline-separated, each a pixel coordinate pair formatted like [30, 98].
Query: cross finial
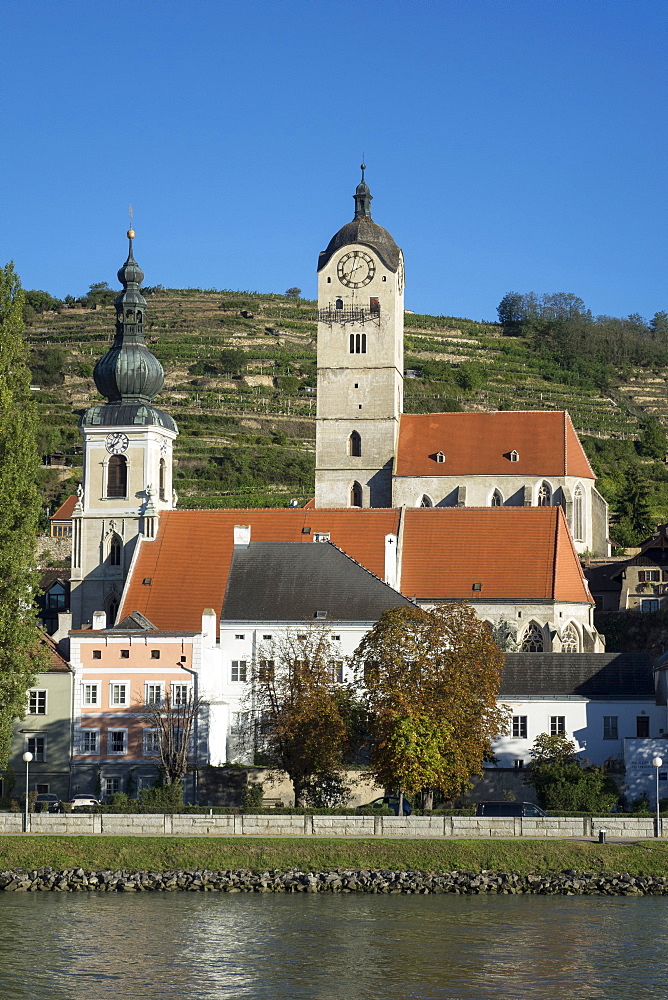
[131, 232]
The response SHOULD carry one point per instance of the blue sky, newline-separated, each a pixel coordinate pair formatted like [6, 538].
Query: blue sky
[511, 144]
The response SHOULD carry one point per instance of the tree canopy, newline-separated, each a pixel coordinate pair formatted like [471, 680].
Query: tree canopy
[19, 513]
[564, 781]
[430, 681]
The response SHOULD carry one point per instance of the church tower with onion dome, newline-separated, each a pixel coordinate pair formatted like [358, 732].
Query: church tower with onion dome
[360, 362]
[127, 462]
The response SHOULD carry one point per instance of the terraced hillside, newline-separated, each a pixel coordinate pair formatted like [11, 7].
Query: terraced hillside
[240, 381]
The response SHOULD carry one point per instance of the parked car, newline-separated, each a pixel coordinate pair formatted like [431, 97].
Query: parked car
[48, 802]
[504, 809]
[389, 801]
[83, 799]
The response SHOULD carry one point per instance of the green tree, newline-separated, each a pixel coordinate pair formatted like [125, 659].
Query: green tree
[19, 512]
[633, 521]
[430, 680]
[293, 293]
[652, 441]
[563, 781]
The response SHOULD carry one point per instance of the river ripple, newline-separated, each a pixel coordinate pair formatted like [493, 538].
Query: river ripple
[321, 947]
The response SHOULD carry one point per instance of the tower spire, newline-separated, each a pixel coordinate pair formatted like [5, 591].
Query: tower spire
[363, 197]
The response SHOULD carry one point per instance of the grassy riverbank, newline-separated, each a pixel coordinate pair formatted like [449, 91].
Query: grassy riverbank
[645, 857]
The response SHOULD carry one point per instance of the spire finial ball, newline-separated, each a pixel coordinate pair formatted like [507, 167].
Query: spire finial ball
[362, 166]
[131, 234]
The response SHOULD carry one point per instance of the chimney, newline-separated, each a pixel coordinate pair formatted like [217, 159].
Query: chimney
[242, 534]
[391, 560]
[64, 626]
[208, 628]
[99, 620]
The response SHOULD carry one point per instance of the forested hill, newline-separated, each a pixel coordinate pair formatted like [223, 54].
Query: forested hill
[241, 374]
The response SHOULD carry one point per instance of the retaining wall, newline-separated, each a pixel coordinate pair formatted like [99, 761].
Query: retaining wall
[184, 825]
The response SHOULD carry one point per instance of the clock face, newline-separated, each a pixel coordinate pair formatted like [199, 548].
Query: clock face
[117, 443]
[355, 269]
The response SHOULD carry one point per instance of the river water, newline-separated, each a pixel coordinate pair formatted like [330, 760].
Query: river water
[321, 947]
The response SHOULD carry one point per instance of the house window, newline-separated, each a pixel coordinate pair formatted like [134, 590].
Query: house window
[544, 495]
[117, 477]
[337, 671]
[649, 576]
[150, 742]
[610, 730]
[112, 611]
[569, 640]
[240, 637]
[514, 456]
[115, 551]
[238, 670]
[55, 597]
[155, 654]
[91, 694]
[117, 741]
[36, 745]
[118, 693]
[153, 694]
[37, 703]
[125, 654]
[97, 654]
[533, 639]
[355, 445]
[557, 725]
[520, 727]
[358, 343]
[89, 740]
[425, 501]
[266, 671]
[518, 764]
[356, 495]
[180, 694]
[162, 476]
[267, 638]
[578, 513]
[111, 786]
[642, 726]
[497, 499]
[43, 789]
[650, 604]
[440, 457]
[339, 303]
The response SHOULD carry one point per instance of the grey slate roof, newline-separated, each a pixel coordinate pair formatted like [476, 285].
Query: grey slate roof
[365, 231]
[290, 581]
[601, 676]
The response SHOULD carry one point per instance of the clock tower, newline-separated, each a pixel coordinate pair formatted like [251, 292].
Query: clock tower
[127, 461]
[360, 362]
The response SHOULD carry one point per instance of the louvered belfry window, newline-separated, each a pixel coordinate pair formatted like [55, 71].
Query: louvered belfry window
[117, 476]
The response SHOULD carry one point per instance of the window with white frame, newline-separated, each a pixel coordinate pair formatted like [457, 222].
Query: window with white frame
[36, 745]
[118, 693]
[520, 727]
[336, 667]
[610, 727]
[91, 694]
[153, 694]
[649, 575]
[112, 785]
[557, 725]
[180, 694]
[117, 741]
[89, 741]
[239, 670]
[240, 721]
[151, 742]
[37, 702]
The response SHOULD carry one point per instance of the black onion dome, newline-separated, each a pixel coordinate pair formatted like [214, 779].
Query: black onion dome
[363, 230]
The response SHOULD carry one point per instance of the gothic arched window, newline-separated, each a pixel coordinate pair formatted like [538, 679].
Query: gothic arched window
[497, 499]
[161, 479]
[115, 549]
[544, 495]
[356, 495]
[569, 640]
[426, 501]
[578, 513]
[532, 641]
[117, 476]
[112, 611]
[355, 445]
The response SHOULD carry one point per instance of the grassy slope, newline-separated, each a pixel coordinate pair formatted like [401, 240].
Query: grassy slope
[153, 853]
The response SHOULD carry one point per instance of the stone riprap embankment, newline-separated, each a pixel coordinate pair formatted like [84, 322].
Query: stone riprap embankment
[570, 883]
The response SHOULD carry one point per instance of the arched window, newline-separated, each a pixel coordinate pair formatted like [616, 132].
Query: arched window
[569, 640]
[139, 316]
[497, 499]
[117, 476]
[532, 641]
[578, 513]
[356, 495]
[112, 611]
[338, 304]
[162, 479]
[355, 445]
[115, 550]
[426, 501]
[544, 495]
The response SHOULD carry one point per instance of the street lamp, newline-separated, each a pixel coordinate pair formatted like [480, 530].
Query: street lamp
[27, 756]
[657, 762]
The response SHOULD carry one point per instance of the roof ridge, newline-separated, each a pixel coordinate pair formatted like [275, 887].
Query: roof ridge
[370, 572]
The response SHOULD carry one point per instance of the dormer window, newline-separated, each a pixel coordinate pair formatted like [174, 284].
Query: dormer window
[514, 456]
[440, 457]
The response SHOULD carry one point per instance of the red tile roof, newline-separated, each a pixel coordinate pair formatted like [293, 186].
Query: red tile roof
[64, 512]
[515, 553]
[481, 443]
[189, 561]
[54, 660]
